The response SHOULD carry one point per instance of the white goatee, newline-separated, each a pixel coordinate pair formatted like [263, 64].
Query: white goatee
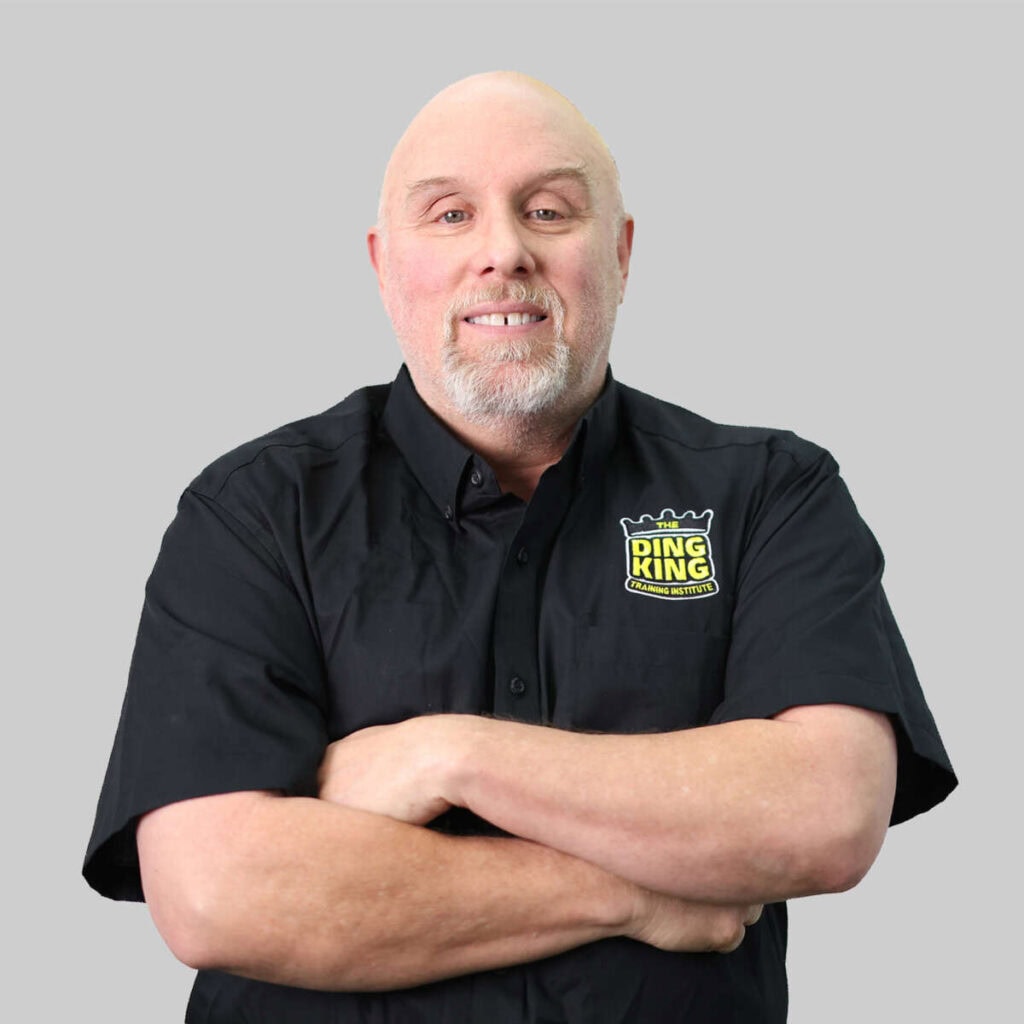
[510, 379]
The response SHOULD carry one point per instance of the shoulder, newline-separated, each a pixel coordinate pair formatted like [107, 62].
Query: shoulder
[291, 452]
[654, 420]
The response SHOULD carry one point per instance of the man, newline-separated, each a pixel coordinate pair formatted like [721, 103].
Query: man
[506, 693]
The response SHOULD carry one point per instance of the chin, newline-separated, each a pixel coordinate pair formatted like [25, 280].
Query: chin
[509, 389]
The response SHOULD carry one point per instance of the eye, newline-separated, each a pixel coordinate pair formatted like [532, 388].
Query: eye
[544, 214]
[452, 217]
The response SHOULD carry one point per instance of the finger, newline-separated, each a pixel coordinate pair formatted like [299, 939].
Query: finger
[753, 915]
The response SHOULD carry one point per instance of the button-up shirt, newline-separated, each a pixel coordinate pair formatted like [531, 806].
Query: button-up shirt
[363, 566]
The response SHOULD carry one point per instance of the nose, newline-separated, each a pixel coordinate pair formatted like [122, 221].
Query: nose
[504, 248]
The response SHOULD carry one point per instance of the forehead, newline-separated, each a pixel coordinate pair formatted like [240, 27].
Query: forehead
[573, 178]
[495, 138]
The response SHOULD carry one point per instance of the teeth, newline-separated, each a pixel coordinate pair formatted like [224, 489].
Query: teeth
[501, 320]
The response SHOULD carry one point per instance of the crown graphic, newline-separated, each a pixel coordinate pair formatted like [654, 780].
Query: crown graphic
[668, 522]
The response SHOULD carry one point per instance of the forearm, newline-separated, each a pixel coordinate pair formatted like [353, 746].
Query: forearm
[745, 811]
[302, 892]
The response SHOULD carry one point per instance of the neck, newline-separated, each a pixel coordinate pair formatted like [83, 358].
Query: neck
[519, 451]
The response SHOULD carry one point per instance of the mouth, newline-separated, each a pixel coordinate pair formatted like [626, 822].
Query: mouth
[505, 319]
[502, 315]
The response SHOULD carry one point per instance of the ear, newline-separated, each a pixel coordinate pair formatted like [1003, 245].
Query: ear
[375, 246]
[625, 250]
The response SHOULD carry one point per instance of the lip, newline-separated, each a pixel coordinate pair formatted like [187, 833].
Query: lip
[503, 309]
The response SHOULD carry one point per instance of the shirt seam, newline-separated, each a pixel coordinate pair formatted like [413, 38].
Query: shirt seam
[764, 443]
[281, 444]
[282, 568]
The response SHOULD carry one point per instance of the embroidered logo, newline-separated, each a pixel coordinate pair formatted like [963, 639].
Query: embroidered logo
[670, 557]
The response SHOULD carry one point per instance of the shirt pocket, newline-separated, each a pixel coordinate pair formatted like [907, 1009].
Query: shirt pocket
[631, 677]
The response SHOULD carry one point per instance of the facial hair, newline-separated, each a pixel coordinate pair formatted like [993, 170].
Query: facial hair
[508, 380]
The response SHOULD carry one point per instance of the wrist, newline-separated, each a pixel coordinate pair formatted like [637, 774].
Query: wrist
[637, 904]
[464, 747]
[623, 906]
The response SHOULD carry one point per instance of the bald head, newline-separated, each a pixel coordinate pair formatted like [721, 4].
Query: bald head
[471, 106]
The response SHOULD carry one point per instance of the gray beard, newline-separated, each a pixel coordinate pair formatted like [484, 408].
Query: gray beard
[507, 382]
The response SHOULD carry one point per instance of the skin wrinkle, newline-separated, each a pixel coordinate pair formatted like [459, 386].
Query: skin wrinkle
[576, 173]
[579, 171]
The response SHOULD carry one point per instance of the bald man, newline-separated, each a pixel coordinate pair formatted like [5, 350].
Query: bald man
[505, 692]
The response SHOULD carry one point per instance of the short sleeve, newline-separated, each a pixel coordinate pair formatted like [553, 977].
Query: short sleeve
[812, 625]
[225, 691]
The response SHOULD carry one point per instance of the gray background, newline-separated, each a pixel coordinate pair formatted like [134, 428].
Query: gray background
[829, 239]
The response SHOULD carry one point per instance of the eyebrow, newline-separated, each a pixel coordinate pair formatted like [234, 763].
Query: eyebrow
[573, 172]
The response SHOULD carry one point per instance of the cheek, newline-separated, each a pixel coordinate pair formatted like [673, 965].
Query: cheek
[417, 293]
[596, 260]
[596, 281]
[419, 276]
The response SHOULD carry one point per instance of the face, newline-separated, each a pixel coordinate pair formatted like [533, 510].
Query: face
[504, 256]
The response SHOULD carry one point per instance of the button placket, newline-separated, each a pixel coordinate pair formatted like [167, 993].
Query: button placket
[520, 690]
[516, 694]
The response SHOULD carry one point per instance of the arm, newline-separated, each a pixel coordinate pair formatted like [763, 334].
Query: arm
[300, 892]
[747, 811]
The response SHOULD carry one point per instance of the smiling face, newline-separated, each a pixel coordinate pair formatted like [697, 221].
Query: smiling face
[503, 252]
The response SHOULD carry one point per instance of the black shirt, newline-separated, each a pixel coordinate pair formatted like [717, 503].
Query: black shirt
[362, 566]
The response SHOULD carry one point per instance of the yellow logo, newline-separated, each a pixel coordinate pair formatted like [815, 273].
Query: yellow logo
[670, 557]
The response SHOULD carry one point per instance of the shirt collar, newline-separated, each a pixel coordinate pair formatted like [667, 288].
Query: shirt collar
[443, 465]
[436, 457]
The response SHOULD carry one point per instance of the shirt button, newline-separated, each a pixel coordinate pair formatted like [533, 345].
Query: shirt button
[516, 686]
[476, 478]
[449, 514]
[522, 556]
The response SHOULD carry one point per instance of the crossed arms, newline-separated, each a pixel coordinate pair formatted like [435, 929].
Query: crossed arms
[673, 839]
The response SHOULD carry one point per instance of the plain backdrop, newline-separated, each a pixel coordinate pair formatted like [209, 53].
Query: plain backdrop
[829, 239]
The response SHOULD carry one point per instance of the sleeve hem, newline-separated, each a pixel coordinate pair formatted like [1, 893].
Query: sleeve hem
[924, 774]
[821, 688]
[111, 865]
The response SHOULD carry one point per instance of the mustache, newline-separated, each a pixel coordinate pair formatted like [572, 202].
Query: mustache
[514, 291]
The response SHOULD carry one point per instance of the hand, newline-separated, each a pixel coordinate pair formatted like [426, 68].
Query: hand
[396, 770]
[682, 926]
